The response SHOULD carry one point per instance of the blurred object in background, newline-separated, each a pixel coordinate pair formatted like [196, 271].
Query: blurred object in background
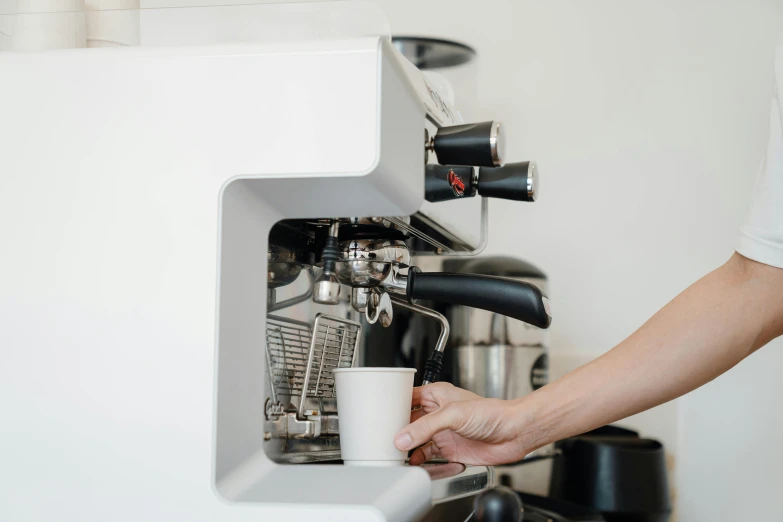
[113, 23]
[454, 61]
[41, 25]
[614, 471]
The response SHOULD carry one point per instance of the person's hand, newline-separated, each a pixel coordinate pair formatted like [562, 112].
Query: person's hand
[460, 426]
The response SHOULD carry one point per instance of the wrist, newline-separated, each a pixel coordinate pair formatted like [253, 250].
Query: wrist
[534, 423]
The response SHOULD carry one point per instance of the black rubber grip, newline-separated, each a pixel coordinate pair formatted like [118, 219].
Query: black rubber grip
[467, 144]
[516, 299]
[330, 254]
[444, 183]
[433, 367]
[512, 181]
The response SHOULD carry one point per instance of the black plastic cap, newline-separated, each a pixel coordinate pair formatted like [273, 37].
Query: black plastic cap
[514, 181]
[472, 144]
[498, 504]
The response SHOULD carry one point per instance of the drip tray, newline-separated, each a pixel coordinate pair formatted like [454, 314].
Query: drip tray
[451, 481]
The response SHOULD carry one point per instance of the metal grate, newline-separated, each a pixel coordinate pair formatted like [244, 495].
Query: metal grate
[288, 346]
[301, 357]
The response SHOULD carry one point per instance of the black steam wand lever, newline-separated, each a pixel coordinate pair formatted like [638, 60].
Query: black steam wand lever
[514, 181]
[516, 299]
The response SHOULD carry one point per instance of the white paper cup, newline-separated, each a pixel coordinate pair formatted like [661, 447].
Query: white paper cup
[373, 405]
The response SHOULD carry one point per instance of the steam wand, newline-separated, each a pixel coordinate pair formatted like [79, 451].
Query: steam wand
[434, 364]
[326, 289]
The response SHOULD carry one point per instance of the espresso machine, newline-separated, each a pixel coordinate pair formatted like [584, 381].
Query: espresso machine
[198, 229]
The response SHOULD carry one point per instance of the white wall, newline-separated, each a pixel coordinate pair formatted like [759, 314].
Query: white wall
[648, 120]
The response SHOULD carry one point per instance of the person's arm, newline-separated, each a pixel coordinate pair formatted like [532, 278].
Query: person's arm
[702, 333]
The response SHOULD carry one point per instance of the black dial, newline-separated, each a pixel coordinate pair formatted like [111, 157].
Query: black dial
[514, 181]
[475, 144]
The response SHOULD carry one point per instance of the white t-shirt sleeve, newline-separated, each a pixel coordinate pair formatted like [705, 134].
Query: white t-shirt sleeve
[761, 237]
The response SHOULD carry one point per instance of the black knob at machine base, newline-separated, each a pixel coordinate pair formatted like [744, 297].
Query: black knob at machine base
[498, 504]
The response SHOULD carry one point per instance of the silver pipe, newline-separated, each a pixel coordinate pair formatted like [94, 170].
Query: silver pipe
[308, 370]
[274, 307]
[443, 250]
[484, 233]
[272, 383]
[432, 314]
[334, 228]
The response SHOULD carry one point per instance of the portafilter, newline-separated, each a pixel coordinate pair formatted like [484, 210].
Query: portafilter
[379, 275]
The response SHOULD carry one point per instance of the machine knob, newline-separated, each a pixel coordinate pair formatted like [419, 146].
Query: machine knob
[498, 504]
[479, 144]
[516, 181]
[447, 182]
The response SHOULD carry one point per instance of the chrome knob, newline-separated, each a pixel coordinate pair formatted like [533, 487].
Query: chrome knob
[326, 290]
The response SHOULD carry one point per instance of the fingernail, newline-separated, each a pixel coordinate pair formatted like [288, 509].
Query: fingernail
[403, 441]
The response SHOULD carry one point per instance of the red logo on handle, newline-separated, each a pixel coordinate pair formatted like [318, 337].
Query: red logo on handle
[457, 185]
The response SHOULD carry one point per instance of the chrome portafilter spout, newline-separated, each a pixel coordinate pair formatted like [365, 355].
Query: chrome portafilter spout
[382, 265]
[368, 266]
[326, 289]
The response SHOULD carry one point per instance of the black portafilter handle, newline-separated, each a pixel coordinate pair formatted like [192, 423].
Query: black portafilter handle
[509, 297]
[499, 504]
[479, 144]
[514, 181]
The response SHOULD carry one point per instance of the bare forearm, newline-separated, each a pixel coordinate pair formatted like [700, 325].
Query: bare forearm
[699, 335]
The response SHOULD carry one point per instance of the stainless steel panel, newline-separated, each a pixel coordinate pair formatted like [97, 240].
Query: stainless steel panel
[452, 481]
[475, 327]
[498, 371]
